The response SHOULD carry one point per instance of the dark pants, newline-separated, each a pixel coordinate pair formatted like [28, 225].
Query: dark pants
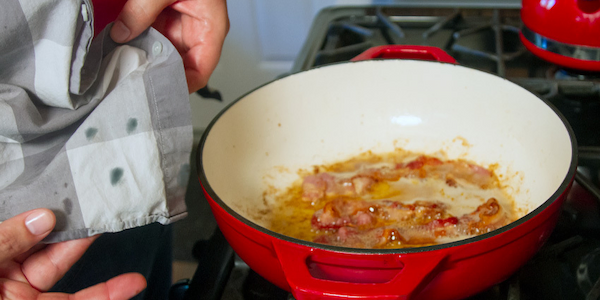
[145, 250]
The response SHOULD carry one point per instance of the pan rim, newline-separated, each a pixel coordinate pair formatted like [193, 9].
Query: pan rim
[568, 179]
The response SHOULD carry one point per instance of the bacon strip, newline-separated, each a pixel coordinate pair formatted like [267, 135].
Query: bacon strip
[378, 224]
[454, 172]
[367, 214]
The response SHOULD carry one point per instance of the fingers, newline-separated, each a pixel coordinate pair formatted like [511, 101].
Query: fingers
[205, 26]
[122, 287]
[18, 234]
[135, 17]
[125, 286]
[44, 268]
[197, 28]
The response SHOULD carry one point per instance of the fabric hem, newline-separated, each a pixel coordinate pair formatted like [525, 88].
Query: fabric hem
[60, 236]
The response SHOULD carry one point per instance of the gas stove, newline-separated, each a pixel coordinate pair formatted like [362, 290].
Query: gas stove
[487, 39]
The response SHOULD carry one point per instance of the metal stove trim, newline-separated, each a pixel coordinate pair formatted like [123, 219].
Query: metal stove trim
[573, 51]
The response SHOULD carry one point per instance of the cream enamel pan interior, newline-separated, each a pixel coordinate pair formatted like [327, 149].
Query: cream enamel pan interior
[332, 113]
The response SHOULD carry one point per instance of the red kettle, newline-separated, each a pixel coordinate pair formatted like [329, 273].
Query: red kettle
[564, 32]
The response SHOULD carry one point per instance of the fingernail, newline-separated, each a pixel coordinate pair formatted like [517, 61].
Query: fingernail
[39, 222]
[119, 32]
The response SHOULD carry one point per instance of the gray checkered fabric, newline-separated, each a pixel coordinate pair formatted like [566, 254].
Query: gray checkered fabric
[98, 132]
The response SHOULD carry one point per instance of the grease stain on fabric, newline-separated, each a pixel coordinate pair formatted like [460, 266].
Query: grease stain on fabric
[115, 175]
[90, 133]
[67, 205]
[132, 124]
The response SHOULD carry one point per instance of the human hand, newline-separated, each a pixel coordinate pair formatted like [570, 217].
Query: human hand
[197, 28]
[28, 269]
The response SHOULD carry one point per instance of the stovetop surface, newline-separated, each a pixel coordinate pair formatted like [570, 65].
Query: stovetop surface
[568, 266]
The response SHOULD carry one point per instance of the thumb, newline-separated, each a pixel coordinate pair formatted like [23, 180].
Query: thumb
[135, 17]
[19, 233]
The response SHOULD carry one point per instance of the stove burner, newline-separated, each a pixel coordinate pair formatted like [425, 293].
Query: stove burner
[394, 28]
[498, 55]
[347, 37]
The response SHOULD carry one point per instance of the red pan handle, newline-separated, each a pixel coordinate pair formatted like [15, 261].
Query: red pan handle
[406, 52]
[413, 270]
